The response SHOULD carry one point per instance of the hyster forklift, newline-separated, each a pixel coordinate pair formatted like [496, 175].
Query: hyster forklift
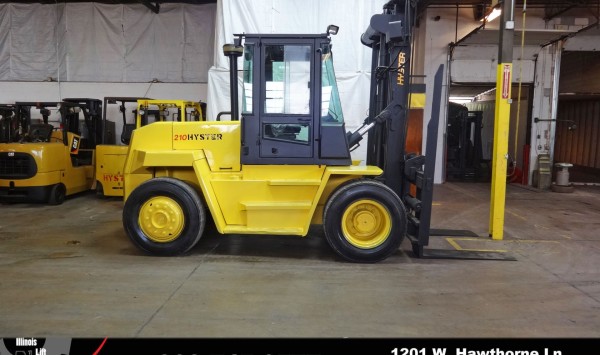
[110, 158]
[41, 162]
[286, 163]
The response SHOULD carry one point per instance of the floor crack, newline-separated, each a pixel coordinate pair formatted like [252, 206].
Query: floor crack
[175, 291]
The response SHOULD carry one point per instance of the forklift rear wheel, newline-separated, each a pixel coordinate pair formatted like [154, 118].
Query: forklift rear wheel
[164, 216]
[364, 221]
[57, 194]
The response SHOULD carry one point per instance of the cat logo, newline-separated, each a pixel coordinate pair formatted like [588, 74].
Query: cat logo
[75, 145]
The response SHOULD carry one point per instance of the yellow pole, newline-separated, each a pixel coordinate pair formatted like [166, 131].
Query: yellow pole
[502, 119]
[500, 152]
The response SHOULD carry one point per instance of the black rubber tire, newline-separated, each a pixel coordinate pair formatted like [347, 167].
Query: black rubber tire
[99, 189]
[194, 216]
[57, 194]
[368, 190]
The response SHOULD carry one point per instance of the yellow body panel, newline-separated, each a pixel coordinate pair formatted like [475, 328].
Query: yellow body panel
[220, 141]
[54, 165]
[110, 160]
[249, 199]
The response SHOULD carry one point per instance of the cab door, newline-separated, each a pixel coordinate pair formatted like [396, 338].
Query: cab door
[286, 107]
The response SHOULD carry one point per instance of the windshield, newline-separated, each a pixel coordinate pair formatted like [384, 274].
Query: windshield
[331, 108]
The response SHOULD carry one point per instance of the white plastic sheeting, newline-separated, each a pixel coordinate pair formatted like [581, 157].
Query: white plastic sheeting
[106, 43]
[28, 41]
[352, 60]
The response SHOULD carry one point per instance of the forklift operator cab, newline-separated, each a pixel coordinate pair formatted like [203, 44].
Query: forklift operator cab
[299, 123]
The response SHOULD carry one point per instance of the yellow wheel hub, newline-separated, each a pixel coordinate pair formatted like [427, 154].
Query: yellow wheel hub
[366, 224]
[161, 219]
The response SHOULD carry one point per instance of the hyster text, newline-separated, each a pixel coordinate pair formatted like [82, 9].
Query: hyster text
[198, 137]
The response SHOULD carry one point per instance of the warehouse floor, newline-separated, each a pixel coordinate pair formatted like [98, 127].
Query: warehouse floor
[70, 271]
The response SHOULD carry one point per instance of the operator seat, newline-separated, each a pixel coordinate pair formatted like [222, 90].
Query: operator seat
[40, 132]
[126, 134]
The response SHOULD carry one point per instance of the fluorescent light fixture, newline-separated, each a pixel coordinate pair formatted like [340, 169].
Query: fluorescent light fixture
[492, 15]
[460, 99]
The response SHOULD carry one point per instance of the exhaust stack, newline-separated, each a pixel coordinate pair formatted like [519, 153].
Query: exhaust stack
[233, 51]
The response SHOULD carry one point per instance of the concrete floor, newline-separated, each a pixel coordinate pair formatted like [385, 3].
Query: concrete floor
[70, 271]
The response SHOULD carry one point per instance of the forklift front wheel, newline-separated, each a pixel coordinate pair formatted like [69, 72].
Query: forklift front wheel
[364, 221]
[57, 194]
[164, 216]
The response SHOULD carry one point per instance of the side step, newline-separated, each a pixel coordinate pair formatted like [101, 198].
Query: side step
[276, 217]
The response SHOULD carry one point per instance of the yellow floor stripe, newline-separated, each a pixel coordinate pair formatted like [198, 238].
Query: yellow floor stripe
[516, 215]
[453, 242]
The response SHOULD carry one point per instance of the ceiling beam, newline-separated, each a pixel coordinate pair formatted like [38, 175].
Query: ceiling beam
[552, 12]
[154, 7]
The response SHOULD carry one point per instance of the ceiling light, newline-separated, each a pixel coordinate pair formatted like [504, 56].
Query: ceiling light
[492, 15]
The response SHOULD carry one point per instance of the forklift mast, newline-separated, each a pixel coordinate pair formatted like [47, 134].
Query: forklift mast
[389, 37]
[408, 174]
[92, 117]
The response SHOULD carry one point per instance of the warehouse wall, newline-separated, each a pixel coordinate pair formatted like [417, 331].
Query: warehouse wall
[579, 146]
[576, 69]
[96, 42]
[93, 50]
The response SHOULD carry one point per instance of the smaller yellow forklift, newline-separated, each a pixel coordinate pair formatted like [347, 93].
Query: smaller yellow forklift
[110, 158]
[43, 162]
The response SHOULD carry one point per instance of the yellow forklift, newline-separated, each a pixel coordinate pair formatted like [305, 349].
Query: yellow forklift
[42, 162]
[284, 162]
[110, 158]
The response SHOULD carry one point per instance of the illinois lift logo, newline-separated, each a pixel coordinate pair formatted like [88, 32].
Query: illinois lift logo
[50, 346]
[24, 346]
